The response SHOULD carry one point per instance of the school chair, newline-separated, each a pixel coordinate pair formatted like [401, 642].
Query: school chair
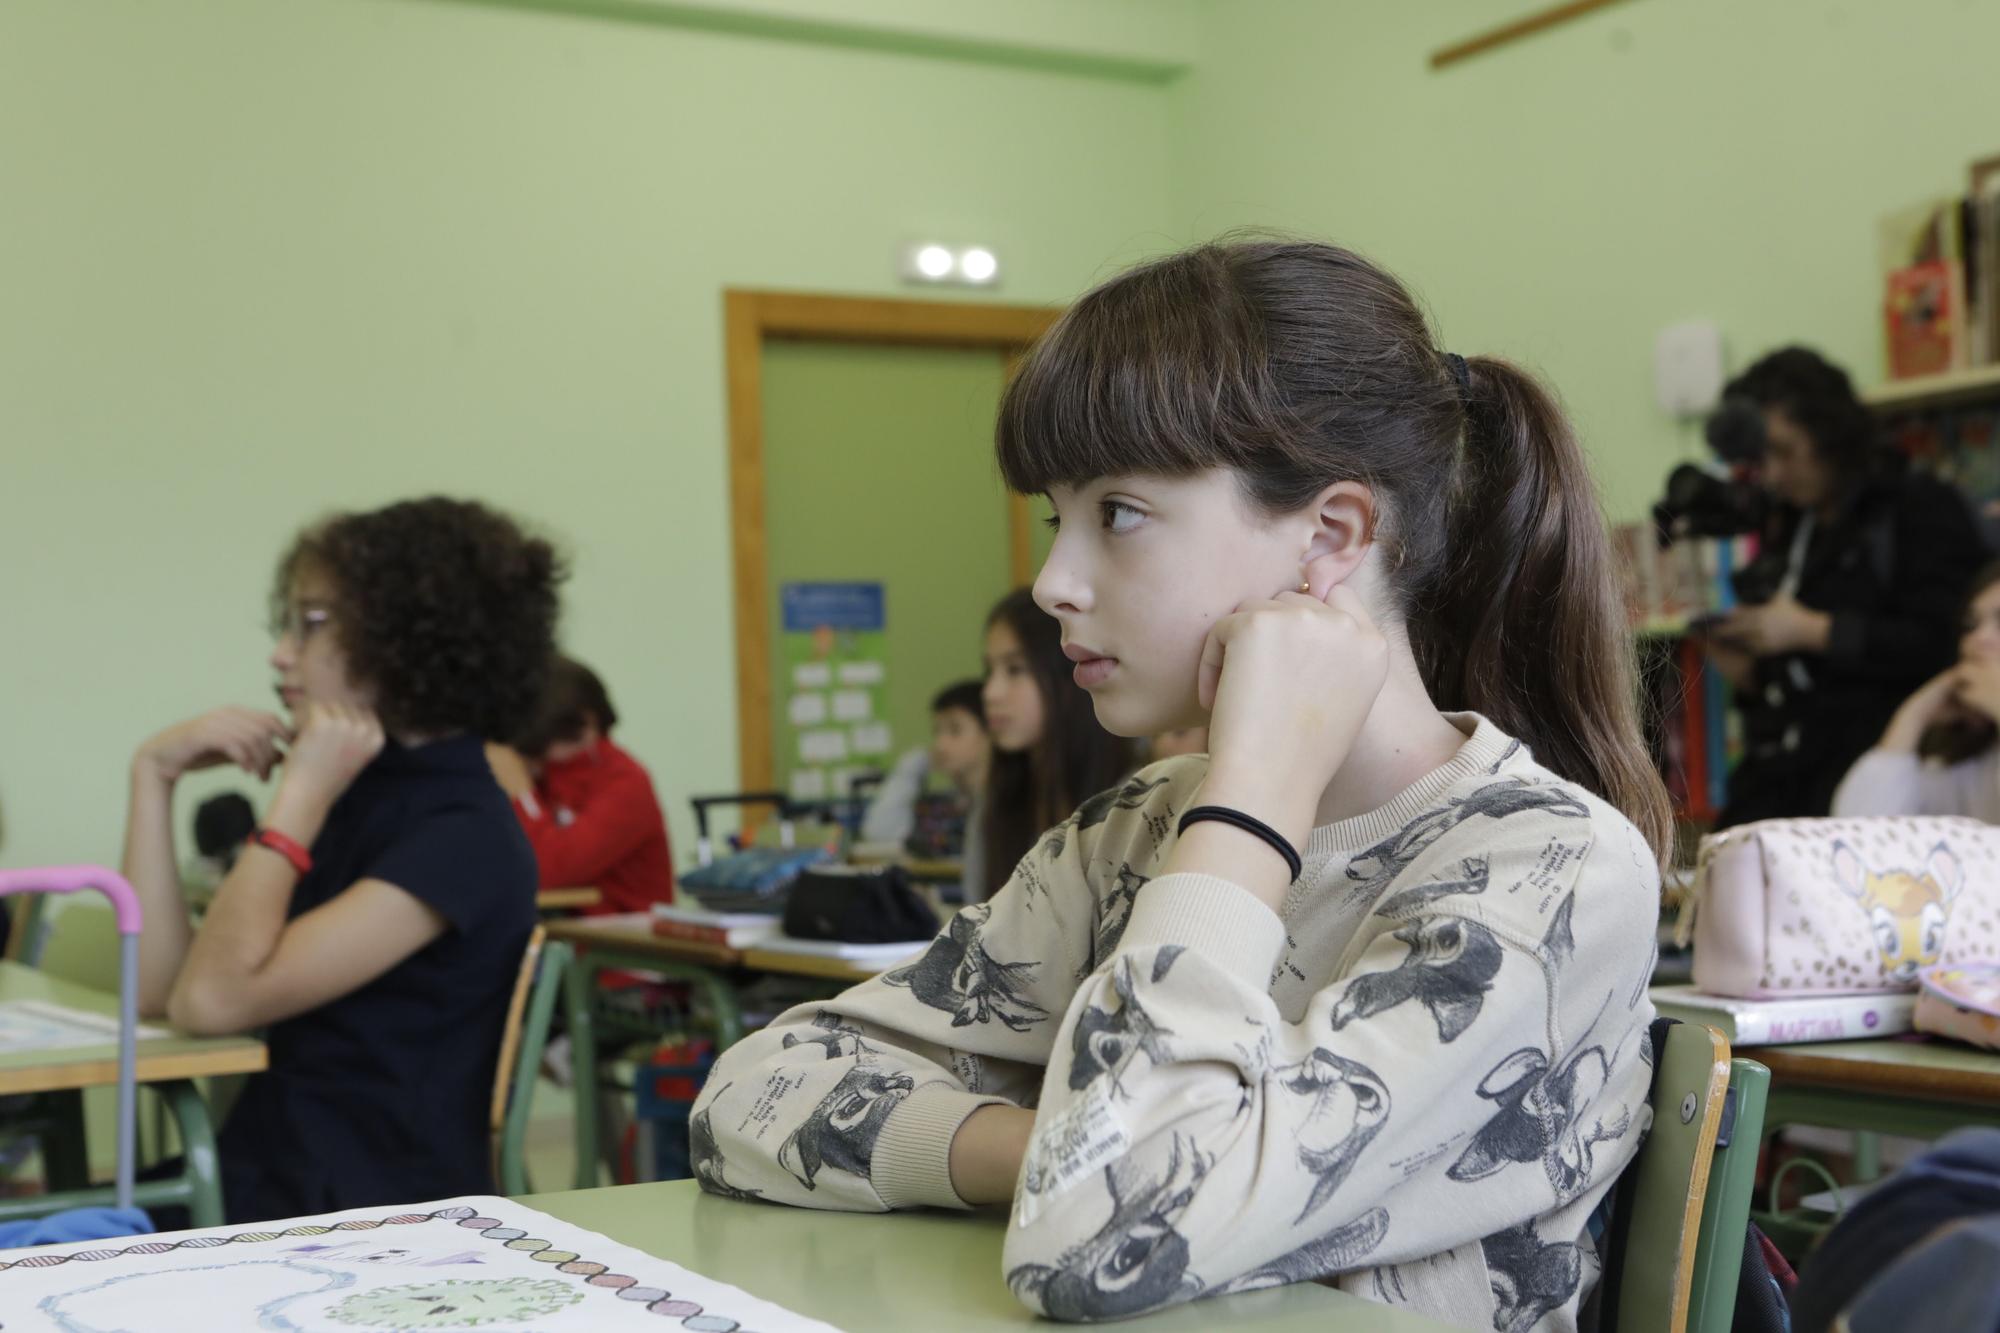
[1675, 1248]
[1732, 1186]
[537, 987]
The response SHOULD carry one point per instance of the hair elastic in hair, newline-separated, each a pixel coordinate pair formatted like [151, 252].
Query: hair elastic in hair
[1459, 374]
[1222, 814]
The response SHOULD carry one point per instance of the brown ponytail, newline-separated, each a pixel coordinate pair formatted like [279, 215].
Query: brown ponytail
[1297, 365]
[1524, 623]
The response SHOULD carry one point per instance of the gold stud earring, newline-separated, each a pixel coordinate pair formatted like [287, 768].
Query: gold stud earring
[1304, 586]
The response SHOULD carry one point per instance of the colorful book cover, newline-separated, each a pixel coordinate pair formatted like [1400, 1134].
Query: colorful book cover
[1922, 319]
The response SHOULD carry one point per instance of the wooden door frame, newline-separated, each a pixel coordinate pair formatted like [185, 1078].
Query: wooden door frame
[751, 318]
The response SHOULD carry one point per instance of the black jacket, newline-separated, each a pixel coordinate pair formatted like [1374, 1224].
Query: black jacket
[1893, 570]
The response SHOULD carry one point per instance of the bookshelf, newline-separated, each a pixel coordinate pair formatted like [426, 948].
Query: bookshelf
[1925, 393]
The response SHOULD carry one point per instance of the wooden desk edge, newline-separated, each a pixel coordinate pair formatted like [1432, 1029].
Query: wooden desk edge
[632, 948]
[637, 945]
[556, 899]
[1803, 1068]
[64, 1076]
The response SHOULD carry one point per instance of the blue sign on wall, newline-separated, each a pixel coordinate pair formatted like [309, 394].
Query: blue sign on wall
[839, 606]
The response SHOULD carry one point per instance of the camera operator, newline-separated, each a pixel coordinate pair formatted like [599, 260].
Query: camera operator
[1853, 600]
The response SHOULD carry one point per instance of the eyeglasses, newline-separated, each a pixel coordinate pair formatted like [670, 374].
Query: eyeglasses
[299, 623]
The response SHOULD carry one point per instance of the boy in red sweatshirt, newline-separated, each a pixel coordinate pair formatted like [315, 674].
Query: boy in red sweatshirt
[587, 806]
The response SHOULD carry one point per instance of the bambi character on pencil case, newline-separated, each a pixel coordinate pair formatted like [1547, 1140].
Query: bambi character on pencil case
[375, 923]
[1360, 995]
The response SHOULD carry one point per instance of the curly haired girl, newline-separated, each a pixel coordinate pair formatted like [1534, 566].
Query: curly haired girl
[376, 919]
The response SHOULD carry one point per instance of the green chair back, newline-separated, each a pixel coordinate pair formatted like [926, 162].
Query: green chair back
[1725, 1215]
[1669, 1183]
[525, 1067]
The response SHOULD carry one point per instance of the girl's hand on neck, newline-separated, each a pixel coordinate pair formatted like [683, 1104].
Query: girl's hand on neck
[335, 742]
[1289, 683]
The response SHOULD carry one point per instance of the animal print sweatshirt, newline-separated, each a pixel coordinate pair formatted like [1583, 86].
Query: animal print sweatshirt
[1418, 1080]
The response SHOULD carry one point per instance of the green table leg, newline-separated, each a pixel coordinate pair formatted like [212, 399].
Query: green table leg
[198, 1187]
[65, 1144]
[725, 1021]
[578, 980]
[1867, 1156]
[1869, 1115]
[202, 1171]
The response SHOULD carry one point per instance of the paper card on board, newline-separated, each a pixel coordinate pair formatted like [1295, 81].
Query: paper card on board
[852, 706]
[861, 673]
[871, 738]
[823, 747]
[812, 675]
[808, 710]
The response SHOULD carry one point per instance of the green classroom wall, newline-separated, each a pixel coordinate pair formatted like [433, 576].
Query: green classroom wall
[263, 260]
[849, 430]
[1561, 199]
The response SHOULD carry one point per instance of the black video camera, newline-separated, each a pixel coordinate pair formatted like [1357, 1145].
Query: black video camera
[1705, 502]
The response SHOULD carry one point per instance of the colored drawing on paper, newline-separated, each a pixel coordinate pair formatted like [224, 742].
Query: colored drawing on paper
[455, 1302]
[479, 1264]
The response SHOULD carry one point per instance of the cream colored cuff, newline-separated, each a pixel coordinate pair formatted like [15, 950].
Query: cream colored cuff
[1223, 922]
[911, 1164]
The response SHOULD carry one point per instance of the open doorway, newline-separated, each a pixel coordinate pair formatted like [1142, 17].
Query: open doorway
[844, 414]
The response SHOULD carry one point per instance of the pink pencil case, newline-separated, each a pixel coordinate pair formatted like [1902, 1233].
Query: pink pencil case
[1961, 1001]
[1789, 907]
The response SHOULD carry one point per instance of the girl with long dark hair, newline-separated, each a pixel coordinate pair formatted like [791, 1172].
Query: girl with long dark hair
[1049, 751]
[1360, 995]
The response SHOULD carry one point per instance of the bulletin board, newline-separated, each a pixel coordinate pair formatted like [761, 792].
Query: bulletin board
[833, 652]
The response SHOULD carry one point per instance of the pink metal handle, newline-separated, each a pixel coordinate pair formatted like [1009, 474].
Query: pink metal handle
[68, 879]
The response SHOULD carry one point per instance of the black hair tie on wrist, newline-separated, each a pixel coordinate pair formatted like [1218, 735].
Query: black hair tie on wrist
[1222, 814]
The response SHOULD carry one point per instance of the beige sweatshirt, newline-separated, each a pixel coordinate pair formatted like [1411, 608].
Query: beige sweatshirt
[1420, 1078]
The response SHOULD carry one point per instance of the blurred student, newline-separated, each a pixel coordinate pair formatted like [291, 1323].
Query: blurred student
[1050, 753]
[1850, 605]
[1937, 756]
[587, 806]
[375, 921]
[960, 752]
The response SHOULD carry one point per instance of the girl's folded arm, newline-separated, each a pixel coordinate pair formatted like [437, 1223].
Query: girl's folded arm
[1190, 1141]
[853, 1103]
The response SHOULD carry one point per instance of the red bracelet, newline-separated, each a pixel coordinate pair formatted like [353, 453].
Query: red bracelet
[288, 848]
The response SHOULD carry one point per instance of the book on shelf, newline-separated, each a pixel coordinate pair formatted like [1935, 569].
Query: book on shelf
[1923, 313]
[732, 930]
[1940, 268]
[1790, 1021]
[1666, 587]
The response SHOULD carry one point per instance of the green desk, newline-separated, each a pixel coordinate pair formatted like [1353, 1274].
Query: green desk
[1918, 1088]
[56, 1079]
[916, 1271]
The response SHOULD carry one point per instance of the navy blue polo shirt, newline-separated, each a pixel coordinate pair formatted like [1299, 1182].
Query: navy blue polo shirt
[382, 1096]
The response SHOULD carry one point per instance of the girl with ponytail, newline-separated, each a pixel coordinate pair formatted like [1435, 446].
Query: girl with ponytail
[1360, 994]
